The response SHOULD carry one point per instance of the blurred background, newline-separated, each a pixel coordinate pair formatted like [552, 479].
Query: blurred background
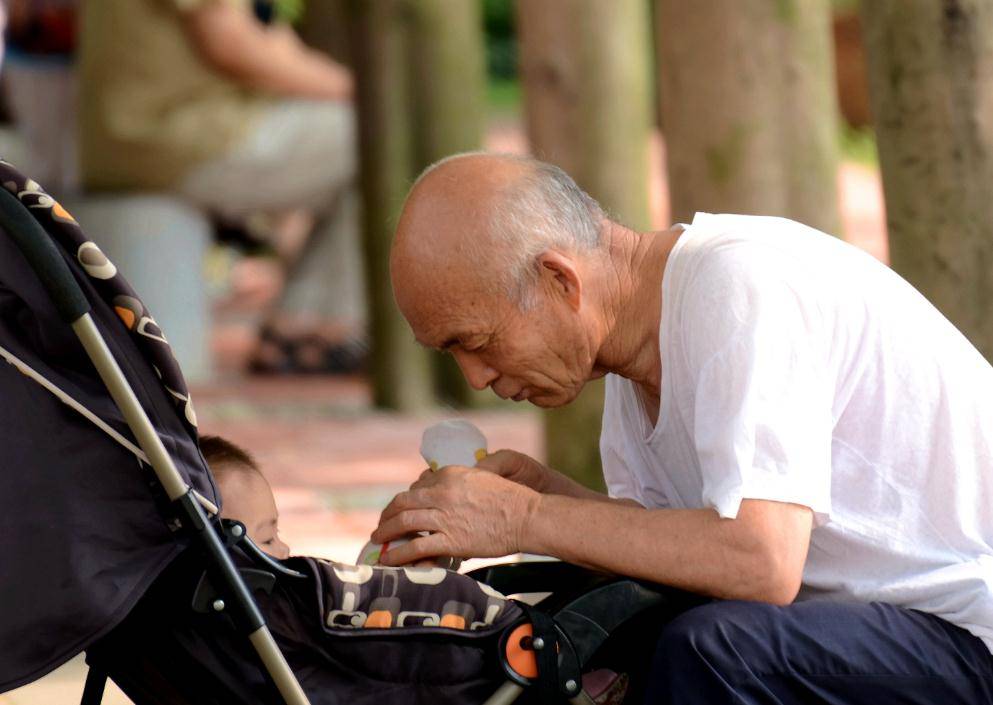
[243, 162]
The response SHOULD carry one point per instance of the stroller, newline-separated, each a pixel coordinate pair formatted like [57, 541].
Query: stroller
[113, 544]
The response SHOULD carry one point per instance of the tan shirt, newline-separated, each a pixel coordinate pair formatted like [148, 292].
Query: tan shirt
[150, 107]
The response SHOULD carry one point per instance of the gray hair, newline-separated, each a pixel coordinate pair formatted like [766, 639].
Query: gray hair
[542, 209]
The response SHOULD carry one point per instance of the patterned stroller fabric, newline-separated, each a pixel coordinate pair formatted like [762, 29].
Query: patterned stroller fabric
[108, 282]
[367, 597]
[80, 534]
[356, 635]
[427, 635]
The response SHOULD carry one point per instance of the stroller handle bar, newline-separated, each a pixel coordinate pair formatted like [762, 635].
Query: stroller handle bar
[44, 257]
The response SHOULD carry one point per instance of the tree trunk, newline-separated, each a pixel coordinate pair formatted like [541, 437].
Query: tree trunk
[931, 86]
[449, 81]
[810, 113]
[400, 368]
[585, 68]
[748, 108]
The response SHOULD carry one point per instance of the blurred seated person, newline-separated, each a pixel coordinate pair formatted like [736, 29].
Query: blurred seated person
[211, 100]
[40, 88]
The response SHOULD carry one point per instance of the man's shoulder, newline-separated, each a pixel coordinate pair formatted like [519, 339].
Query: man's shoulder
[733, 238]
[727, 250]
[723, 258]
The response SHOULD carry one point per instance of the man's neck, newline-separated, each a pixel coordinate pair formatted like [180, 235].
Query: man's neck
[632, 305]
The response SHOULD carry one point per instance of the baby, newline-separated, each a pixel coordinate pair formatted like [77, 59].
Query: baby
[245, 493]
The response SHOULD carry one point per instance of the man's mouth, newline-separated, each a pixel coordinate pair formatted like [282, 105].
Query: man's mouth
[521, 395]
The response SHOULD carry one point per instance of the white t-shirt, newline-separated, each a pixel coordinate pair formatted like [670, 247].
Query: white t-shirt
[797, 368]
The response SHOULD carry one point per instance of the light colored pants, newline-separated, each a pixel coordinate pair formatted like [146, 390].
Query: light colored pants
[299, 154]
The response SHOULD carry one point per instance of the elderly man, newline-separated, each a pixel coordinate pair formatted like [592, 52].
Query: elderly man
[789, 426]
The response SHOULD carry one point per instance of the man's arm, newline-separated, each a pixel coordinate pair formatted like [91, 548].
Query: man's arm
[236, 44]
[759, 555]
[527, 471]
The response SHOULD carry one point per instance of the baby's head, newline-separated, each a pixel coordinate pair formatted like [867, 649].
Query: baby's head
[245, 493]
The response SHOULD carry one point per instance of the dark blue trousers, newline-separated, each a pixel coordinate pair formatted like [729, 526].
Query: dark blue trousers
[817, 653]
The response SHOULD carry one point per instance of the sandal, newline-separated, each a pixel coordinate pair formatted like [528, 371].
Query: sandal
[312, 353]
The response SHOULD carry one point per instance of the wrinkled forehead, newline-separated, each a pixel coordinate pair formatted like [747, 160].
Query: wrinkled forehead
[445, 292]
[440, 317]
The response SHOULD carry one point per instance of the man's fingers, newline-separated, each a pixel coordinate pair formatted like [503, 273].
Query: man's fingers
[396, 505]
[415, 550]
[428, 478]
[496, 462]
[408, 499]
[406, 522]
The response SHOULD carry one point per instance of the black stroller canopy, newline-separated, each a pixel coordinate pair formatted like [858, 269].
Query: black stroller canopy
[80, 539]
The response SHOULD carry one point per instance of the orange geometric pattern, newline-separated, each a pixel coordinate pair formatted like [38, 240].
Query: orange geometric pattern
[126, 315]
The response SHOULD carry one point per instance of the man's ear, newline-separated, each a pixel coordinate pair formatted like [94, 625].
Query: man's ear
[561, 274]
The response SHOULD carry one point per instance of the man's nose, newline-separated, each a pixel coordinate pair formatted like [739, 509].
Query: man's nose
[478, 374]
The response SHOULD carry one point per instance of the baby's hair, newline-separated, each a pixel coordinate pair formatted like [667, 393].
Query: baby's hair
[223, 456]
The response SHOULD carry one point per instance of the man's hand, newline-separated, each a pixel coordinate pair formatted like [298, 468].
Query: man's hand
[518, 468]
[471, 514]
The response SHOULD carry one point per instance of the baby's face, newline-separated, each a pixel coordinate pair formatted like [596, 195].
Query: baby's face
[248, 498]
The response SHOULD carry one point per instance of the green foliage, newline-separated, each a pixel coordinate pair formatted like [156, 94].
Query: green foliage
[289, 11]
[498, 16]
[503, 95]
[501, 38]
[844, 6]
[858, 144]
[787, 11]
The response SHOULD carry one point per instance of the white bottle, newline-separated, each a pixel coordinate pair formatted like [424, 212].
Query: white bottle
[454, 442]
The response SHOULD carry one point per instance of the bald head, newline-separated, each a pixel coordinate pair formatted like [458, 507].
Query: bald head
[480, 221]
[498, 260]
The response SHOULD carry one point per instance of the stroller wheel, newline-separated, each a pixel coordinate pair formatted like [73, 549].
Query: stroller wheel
[518, 653]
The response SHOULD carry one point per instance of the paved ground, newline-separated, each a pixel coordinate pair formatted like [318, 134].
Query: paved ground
[333, 462]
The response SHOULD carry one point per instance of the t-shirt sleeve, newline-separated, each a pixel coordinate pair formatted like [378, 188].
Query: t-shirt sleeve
[762, 418]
